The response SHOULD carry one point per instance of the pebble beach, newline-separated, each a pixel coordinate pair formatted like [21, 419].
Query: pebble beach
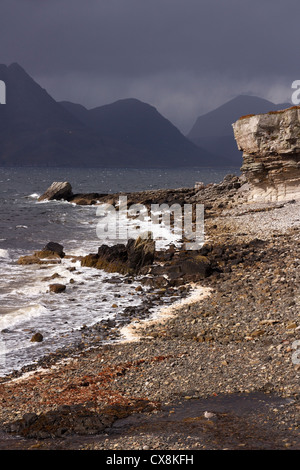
[217, 369]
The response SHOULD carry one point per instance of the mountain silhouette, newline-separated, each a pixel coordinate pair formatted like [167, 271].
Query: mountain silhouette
[141, 126]
[213, 131]
[36, 130]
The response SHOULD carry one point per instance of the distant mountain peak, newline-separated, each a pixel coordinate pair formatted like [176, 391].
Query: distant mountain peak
[36, 130]
[16, 66]
[16, 69]
[213, 130]
[247, 98]
[219, 121]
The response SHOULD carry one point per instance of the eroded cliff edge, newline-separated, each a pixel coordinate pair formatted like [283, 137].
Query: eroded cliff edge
[271, 154]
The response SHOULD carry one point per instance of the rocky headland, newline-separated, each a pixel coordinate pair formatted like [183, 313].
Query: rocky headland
[271, 153]
[219, 367]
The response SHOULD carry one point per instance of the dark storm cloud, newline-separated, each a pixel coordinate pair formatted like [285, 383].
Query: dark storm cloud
[183, 56]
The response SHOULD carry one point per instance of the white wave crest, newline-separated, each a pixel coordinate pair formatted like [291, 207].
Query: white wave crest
[4, 253]
[21, 315]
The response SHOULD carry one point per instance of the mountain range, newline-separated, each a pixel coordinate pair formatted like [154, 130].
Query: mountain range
[36, 130]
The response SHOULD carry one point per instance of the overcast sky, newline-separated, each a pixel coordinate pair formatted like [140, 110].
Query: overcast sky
[185, 57]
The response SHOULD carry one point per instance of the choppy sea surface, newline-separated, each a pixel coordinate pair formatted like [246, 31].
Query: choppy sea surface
[26, 225]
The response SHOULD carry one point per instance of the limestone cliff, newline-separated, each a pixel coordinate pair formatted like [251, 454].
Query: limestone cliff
[271, 154]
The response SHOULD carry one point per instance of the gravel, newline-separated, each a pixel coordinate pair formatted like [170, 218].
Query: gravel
[238, 340]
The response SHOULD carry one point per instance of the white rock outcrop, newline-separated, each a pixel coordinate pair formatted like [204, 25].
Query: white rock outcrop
[271, 154]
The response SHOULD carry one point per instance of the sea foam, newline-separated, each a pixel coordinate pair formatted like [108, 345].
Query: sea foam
[4, 253]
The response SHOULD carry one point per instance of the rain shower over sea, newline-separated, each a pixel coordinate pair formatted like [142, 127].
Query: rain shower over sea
[26, 225]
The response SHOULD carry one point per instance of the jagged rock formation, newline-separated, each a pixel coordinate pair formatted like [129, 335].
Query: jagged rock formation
[57, 190]
[271, 154]
[129, 258]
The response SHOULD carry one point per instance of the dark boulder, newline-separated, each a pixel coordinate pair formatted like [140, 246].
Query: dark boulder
[141, 252]
[55, 248]
[37, 338]
[125, 259]
[57, 288]
[187, 266]
[196, 265]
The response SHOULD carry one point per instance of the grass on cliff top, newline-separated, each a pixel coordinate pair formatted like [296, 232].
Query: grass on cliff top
[280, 111]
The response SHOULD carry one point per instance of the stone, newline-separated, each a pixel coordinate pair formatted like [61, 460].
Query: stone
[37, 338]
[40, 257]
[55, 248]
[49, 278]
[51, 253]
[271, 154]
[29, 418]
[57, 288]
[196, 265]
[125, 259]
[256, 333]
[291, 325]
[141, 252]
[57, 191]
[186, 265]
[199, 185]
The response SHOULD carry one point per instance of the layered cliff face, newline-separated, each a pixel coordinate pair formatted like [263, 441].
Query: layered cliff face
[271, 154]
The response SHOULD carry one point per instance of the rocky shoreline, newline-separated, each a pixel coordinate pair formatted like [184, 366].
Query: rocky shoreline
[215, 371]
